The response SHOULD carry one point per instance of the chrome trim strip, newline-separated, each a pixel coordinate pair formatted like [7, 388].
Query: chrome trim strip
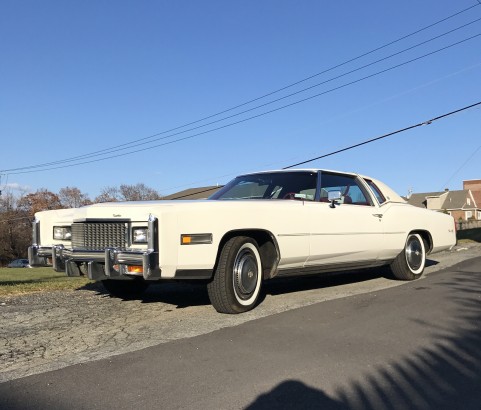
[293, 234]
[150, 258]
[152, 237]
[194, 274]
[338, 233]
[317, 196]
[83, 256]
[332, 267]
[36, 232]
[346, 233]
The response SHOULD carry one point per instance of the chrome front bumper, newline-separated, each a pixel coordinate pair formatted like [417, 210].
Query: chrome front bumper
[39, 255]
[108, 263]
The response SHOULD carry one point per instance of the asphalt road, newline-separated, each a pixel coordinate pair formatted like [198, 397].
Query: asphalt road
[415, 346]
[49, 330]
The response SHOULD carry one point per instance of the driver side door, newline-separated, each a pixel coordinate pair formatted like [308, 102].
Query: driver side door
[348, 232]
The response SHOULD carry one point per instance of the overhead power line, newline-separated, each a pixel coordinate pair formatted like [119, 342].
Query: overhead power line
[470, 157]
[150, 139]
[118, 149]
[320, 73]
[369, 141]
[385, 135]
[254, 116]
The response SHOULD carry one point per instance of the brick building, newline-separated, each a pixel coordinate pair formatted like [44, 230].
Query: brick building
[463, 205]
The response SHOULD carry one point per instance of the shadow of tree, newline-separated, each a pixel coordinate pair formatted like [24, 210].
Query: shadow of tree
[445, 375]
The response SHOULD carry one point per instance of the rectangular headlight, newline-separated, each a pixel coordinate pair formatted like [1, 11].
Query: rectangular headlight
[139, 235]
[62, 233]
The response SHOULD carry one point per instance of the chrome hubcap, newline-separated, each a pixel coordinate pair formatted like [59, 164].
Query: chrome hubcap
[414, 253]
[245, 273]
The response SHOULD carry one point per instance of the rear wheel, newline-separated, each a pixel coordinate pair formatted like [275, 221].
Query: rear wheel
[125, 289]
[237, 280]
[410, 263]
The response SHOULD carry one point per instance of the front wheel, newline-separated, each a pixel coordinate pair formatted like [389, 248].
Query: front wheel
[410, 263]
[237, 280]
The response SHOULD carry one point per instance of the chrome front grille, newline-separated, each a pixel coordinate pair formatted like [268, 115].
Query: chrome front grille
[99, 235]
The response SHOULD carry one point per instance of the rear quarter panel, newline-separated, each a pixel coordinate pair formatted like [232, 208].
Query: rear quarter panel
[401, 219]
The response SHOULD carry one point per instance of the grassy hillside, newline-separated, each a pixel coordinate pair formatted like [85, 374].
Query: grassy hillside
[18, 281]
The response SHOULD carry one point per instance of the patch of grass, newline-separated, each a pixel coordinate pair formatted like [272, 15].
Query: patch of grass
[20, 281]
[469, 235]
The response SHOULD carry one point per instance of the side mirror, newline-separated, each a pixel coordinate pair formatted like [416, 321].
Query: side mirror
[333, 197]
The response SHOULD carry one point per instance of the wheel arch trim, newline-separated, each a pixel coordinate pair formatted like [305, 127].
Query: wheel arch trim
[427, 239]
[267, 244]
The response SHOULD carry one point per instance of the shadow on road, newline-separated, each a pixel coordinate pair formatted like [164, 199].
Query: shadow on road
[192, 293]
[441, 371]
[293, 394]
[278, 286]
[445, 375]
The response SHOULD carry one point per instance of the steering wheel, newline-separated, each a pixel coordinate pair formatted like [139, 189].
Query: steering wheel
[289, 195]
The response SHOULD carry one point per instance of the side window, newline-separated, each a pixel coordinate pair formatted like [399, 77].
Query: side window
[351, 192]
[376, 191]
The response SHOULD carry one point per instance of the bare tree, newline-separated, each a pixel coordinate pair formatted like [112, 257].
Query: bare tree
[138, 192]
[15, 229]
[109, 194]
[72, 197]
[42, 200]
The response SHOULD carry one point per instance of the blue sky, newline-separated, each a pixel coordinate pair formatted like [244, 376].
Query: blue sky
[79, 77]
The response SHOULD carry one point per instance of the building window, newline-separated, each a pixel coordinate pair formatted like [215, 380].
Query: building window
[479, 215]
[469, 214]
[468, 200]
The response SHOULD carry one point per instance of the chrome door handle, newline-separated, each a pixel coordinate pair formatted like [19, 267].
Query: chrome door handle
[377, 215]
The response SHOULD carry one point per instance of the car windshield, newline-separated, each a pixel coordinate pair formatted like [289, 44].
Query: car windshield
[272, 185]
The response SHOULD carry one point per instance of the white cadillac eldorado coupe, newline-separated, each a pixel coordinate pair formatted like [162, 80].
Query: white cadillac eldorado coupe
[257, 227]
